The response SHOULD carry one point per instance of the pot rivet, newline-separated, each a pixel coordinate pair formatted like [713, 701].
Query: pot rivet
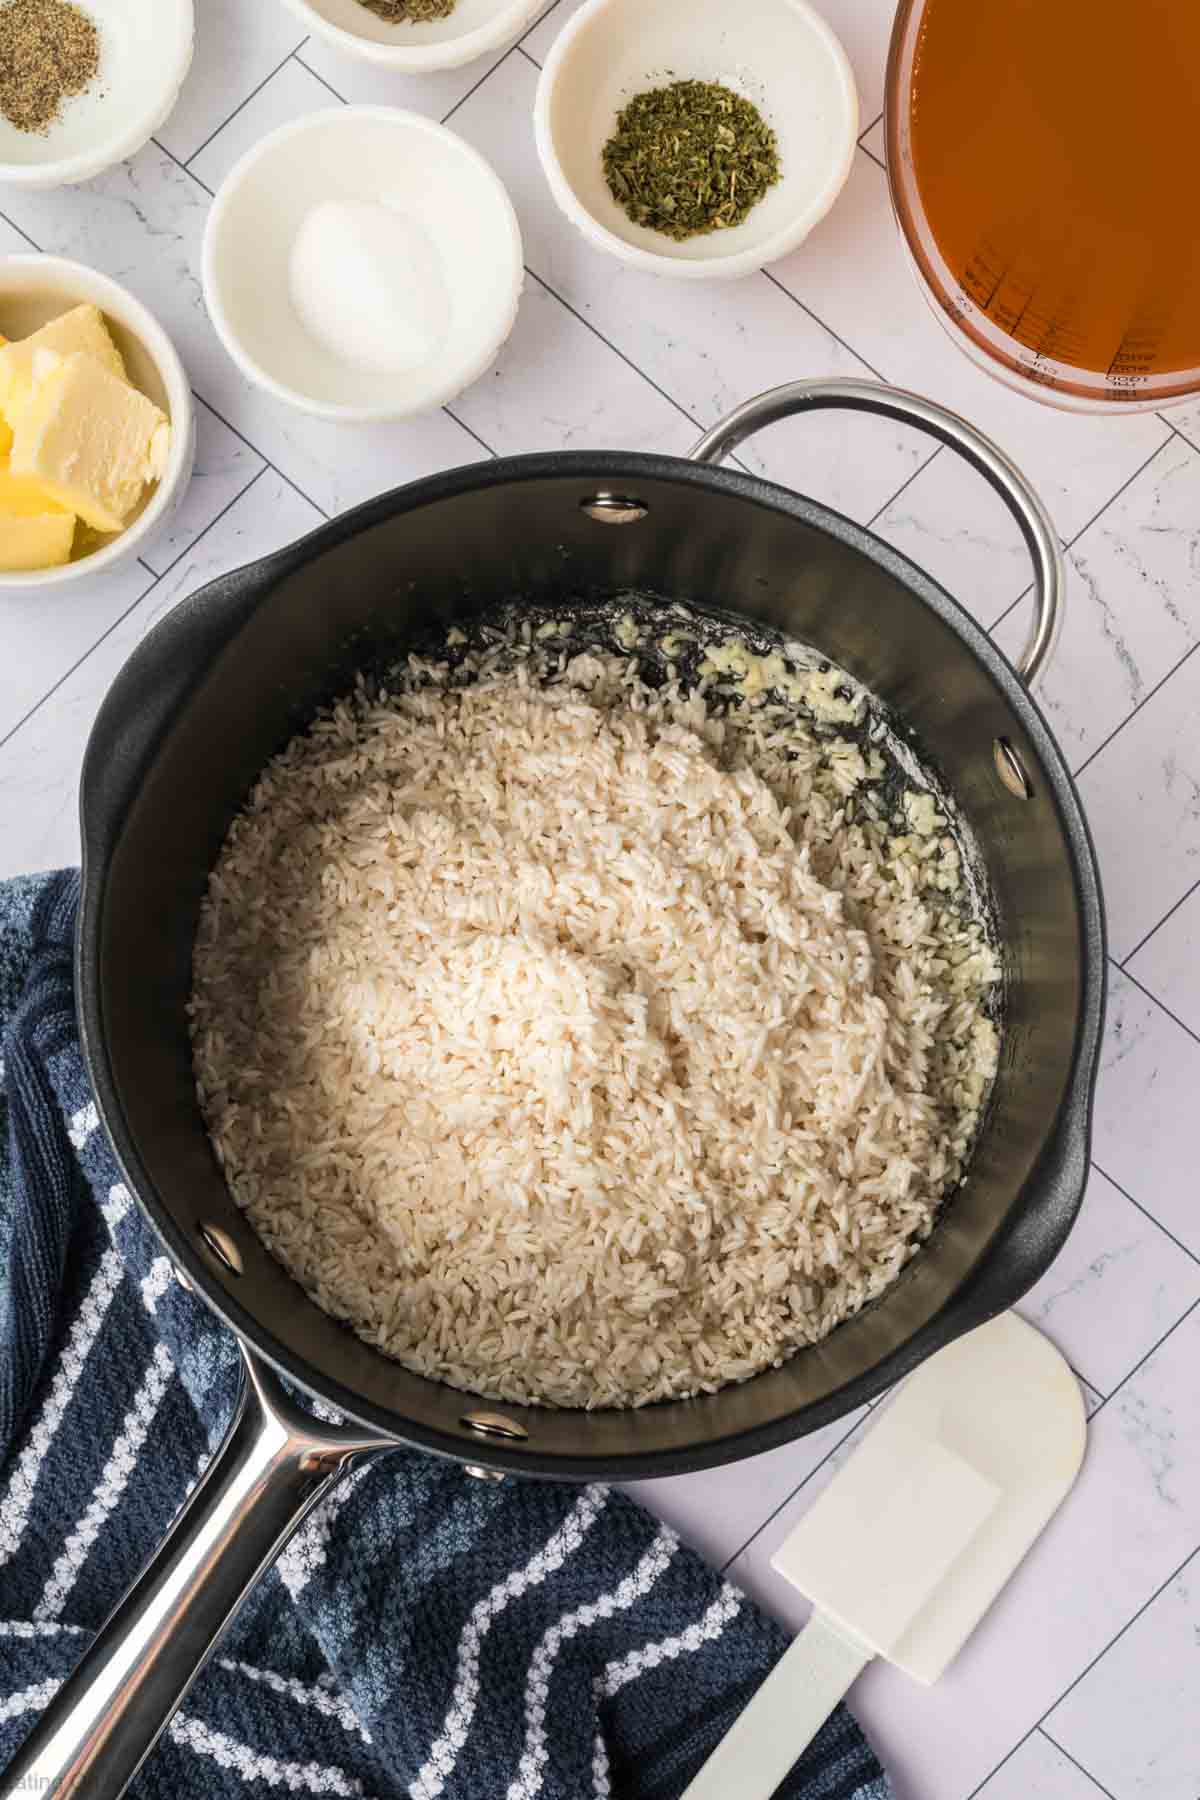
[221, 1245]
[482, 1474]
[494, 1425]
[1011, 769]
[614, 509]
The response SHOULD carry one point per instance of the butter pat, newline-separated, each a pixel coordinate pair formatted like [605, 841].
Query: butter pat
[5, 427]
[22, 497]
[82, 329]
[87, 438]
[41, 541]
[34, 532]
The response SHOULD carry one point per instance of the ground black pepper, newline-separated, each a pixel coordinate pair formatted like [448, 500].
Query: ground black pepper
[49, 50]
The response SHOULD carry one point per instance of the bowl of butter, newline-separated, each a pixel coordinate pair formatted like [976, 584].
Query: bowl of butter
[97, 432]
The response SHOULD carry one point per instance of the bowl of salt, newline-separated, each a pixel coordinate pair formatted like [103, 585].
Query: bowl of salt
[363, 264]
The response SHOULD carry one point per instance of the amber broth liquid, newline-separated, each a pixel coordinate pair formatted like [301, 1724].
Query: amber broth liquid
[1056, 148]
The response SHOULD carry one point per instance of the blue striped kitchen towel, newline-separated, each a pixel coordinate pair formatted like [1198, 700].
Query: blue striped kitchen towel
[423, 1634]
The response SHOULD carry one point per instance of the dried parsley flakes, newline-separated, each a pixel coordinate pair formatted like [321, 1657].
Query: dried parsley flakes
[409, 12]
[690, 158]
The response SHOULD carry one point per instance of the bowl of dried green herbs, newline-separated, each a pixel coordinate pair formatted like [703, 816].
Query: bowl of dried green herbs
[695, 138]
[417, 36]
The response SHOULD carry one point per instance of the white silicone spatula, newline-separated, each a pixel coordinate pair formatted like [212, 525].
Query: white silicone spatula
[913, 1539]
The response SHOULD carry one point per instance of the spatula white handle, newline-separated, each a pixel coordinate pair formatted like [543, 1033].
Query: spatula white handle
[784, 1716]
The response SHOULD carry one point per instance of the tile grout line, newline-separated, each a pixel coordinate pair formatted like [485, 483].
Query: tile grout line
[243, 103]
[1083, 1381]
[228, 507]
[1161, 1004]
[171, 156]
[827, 329]
[1068, 544]
[540, 20]
[1180, 433]
[1075, 1763]
[265, 460]
[869, 129]
[1010, 608]
[79, 661]
[475, 86]
[1084, 1673]
[878, 161]
[1144, 1210]
[1142, 942]
[1182, 436]
[628, 361]
[529, 31]
[1143, 702]
[309, 70]
[638, 370]
[120, 620]
[1143, 1360]
[22, 233]
[470, 430]
[529, 58]
[788, 1498]
[905, 485]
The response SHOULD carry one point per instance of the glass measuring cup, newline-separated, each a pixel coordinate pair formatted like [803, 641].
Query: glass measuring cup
[1031, 156]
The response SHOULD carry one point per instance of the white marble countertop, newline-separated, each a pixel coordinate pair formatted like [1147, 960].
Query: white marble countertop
[1085, 1679]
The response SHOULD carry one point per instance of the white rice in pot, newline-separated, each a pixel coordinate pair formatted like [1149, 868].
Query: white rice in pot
[585, 1042]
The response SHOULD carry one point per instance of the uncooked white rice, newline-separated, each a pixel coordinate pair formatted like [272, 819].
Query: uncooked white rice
[588, 1043]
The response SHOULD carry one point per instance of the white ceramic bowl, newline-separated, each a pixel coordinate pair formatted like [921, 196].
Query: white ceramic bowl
[471, 30]
[373, 153]
[145, 52]
[36, 289]
[780, 54]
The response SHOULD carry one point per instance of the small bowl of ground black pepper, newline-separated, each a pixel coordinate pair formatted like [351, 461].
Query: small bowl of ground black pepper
[417, 36]
[85, 83]
[696, 138]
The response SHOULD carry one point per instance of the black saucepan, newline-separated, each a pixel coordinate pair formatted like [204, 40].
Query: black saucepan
[216, 688]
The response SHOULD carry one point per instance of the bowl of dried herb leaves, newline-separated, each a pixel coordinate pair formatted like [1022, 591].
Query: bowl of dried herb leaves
[85, 83]
[696, 138]
[417, 35]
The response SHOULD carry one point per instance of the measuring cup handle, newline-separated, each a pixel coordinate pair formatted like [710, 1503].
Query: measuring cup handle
[998, 470]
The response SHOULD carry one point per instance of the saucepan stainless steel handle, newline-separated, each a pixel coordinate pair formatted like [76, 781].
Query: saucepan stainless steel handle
[274, 1464]
[997, 469]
